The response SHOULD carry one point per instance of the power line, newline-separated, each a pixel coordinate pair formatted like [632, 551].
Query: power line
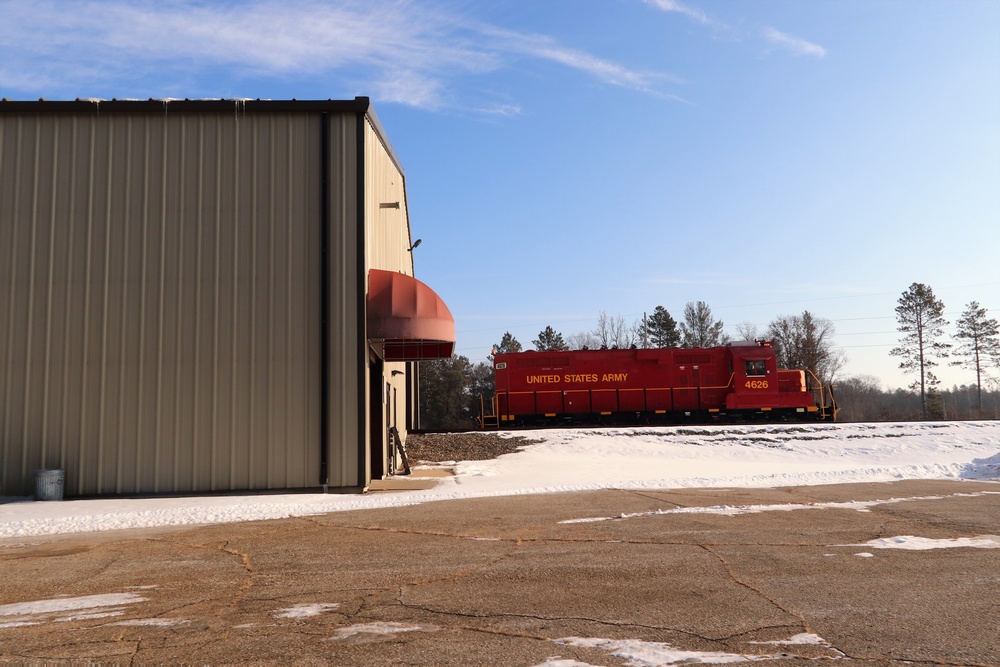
[731, 327]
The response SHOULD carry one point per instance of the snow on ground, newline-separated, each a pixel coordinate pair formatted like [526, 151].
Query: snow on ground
[638, 652]
[735, 510]
[659, 654]
[58, 610]
[304, 610]
[911, 543]
[590, 459]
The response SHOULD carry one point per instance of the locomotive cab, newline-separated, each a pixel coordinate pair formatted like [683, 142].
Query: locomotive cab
[760, 386]
[755, 376]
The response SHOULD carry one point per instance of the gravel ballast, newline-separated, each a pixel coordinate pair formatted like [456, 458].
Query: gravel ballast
[438, 447]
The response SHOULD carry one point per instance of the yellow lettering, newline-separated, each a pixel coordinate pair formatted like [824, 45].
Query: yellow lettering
[542, 379]
[580, 377]
[613, 377]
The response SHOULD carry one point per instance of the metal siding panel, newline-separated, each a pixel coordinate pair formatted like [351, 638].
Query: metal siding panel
[158, 291]
[347, 418]
[387, 229]
[16, 184]
[388, 242]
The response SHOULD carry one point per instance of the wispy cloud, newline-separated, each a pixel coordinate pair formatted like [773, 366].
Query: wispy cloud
[676, 7]
[501, 110]
[404, 51]
[774, 37]
[796, 45]
[546, 48]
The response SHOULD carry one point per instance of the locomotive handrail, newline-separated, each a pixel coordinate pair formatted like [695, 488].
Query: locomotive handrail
[493, 411]
[833, 401]
[823, 391]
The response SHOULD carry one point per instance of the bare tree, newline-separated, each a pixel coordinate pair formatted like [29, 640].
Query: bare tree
[748, 331]
[858, 398]
[613, 332]
[583, 341]
[805, 341]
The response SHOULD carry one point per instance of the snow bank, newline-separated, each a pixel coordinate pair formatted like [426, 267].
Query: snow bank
[590, 459]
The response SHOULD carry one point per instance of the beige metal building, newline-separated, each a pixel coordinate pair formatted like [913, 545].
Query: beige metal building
[205, 295]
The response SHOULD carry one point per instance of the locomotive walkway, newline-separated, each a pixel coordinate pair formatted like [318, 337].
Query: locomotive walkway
[562, 580]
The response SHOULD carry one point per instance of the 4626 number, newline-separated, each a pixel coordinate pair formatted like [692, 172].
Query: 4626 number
[756, 384]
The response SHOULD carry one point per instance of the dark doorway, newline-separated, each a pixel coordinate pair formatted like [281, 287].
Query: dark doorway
[377, 414]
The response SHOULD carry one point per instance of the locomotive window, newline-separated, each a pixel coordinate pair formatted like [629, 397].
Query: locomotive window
[755, 367]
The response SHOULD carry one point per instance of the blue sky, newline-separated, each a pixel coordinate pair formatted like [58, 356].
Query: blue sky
[568, 157]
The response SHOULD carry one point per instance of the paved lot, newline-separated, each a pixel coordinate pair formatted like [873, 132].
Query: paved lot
[502, 581]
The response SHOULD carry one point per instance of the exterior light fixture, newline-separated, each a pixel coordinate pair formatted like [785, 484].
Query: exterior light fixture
[389, 204]
[415, 244]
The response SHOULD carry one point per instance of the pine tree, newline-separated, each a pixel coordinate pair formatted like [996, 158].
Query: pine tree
[481, 388]
[549, 339]
[921, 320]
[699, 328]
[507, 344]
[453, 392]
[444, 401]
[979, 344]
[935, 402]
[662, 329]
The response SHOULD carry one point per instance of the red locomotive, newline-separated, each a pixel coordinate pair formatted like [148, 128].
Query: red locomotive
[738, 382]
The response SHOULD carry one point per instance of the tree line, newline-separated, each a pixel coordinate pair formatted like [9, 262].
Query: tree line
[452, 390]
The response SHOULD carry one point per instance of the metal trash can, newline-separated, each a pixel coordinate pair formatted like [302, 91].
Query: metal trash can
[49, 484]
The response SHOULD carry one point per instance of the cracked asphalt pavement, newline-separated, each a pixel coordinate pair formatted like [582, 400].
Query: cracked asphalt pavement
[506, 581]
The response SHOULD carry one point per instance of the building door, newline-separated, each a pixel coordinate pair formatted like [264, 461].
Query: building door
[378, 413]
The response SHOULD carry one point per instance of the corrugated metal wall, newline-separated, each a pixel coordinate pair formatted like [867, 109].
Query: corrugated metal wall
[387, 232]
[159, 277]
[346, 349]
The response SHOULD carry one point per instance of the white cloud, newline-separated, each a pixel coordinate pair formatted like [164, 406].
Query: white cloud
[501, 110]
[672, 6]
[405, 51]
[603, 70]
[775, 37]
[796, 45]
[546, 48]
[409, 87]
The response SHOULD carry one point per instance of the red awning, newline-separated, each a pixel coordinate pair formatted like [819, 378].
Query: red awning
[408, 318]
